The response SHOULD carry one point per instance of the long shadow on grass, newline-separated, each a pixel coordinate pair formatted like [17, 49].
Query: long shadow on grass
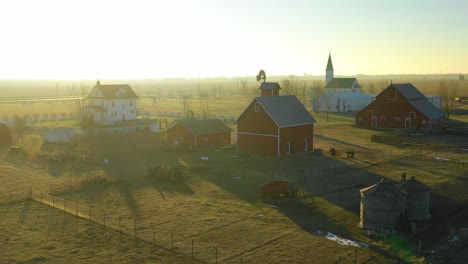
[338, 141]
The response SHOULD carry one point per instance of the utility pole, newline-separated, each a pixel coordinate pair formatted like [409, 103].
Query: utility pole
[56, 88]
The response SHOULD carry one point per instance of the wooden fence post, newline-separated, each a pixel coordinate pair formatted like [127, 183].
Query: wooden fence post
[192, 248]
[172, 241]
[154, 239]
[135, 229]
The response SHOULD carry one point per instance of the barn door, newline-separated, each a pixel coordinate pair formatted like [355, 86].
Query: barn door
[407, 122]
[374, 121]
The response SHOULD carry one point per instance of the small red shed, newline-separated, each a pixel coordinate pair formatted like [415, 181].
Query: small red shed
[195, 132]
[6, 138]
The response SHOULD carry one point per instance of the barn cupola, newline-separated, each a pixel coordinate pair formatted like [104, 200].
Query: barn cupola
[269, 89]
[329, 70]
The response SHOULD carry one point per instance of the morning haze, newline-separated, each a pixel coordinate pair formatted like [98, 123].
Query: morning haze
[233, 132]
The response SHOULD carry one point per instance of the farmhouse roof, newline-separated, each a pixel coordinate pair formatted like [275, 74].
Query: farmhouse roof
[202, 127]
[418, 100]
[286, 110]
[342, 83]
[385, 188]
[413, 185]
[114, 91]
[269, 86]
[329, 63]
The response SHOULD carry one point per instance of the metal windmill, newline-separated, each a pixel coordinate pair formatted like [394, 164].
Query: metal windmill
[261, 76]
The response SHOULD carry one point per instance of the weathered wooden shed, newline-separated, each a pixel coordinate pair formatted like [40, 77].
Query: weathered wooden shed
[417, 200]
[382, 206]
[5, 136]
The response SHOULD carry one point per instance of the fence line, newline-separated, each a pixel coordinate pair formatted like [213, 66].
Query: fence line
[107, 221]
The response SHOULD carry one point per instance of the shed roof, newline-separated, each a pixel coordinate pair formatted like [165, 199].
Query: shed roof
[269, 86]
[286, 110]
[4, 127]
[384, 187]
[337, 83]
[413, 185]
[199, 127]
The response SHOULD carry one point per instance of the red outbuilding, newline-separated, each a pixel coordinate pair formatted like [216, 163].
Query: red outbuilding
[274, 125]
[400, 106]
[196, 133]
[5, 136]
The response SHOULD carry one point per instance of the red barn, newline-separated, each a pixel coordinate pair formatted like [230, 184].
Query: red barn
[275, 125]
[5, 136]
[400, 106]
[195, 133]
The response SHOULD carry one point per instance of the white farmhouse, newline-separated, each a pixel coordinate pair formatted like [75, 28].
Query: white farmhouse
[108, 104]
[340, 94]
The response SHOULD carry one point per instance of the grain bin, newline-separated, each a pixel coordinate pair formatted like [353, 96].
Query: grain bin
[417, 200]
[382, 206]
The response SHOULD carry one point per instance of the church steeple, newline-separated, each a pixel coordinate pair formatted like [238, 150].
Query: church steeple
[329, 70]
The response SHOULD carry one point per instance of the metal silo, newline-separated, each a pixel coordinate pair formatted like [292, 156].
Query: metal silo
[417, 201]
[382, 206]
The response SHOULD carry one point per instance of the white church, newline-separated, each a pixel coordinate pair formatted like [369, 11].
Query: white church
[340, 94]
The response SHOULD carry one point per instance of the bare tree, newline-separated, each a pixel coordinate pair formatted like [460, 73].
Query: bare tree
[203, 100]
[448, 91]
[78, 103]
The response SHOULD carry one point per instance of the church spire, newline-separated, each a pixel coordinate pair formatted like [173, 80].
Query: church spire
[329, 70]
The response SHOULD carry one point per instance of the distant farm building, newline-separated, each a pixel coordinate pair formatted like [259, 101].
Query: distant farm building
[60, 135]
[6, 138]
[340, 94]
[274, 125]
[400, 106]
[382, 206]
[195, 133]
[108, 104]
[461, 77]
[417, 202]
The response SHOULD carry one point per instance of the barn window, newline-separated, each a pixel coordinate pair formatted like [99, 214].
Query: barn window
[397, 119]
[257, 107]
[423, 122]
[382, 118]
[361, 119]
[305, 145]
[221, 139]
[288, 147]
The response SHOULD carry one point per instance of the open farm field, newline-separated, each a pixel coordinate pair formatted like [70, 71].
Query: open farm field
[217, 204]
[214, 212]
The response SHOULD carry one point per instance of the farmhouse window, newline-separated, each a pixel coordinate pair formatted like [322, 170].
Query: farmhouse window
[288, 147]
[257, 107]
[123, 106]
[130, 103]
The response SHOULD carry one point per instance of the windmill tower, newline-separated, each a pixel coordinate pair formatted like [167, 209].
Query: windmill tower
[329, 70]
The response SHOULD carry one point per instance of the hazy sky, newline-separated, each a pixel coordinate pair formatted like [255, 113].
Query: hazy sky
[199, 38]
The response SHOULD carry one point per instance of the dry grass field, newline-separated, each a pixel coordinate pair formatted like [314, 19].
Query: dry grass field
[216, 205]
